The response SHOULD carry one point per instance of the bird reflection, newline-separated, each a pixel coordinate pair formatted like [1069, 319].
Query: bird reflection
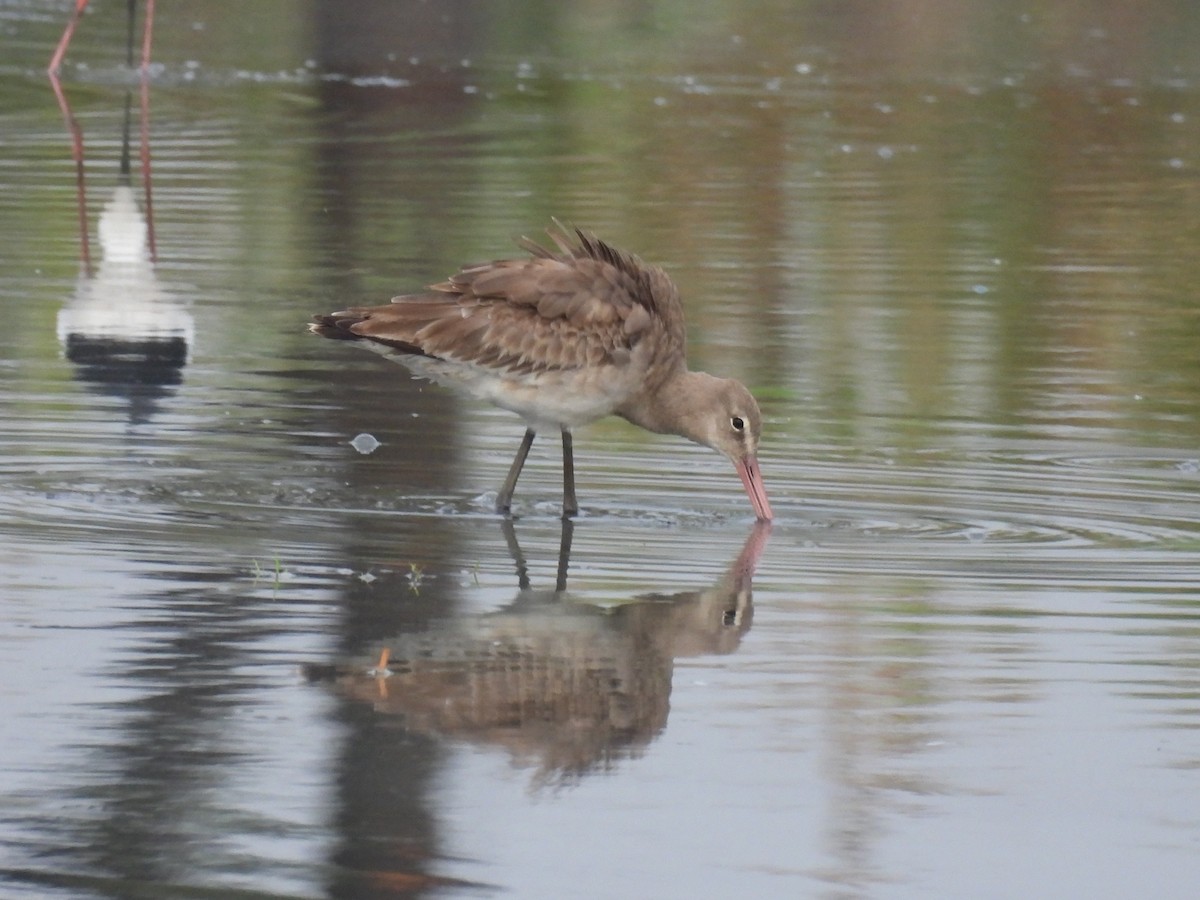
[564, 683]
[124, 332]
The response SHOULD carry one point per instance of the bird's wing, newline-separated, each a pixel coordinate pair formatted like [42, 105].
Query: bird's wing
[586, 305]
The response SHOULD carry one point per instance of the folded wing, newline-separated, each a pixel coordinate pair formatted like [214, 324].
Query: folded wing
[585, 305]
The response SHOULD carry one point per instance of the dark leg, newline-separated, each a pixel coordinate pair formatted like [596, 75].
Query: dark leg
[514, 550]
[564, 554]
[570, 504]
[131, 15]
[504, 498]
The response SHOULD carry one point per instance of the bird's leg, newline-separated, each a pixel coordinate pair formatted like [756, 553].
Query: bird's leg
[73, 126]
[147, 36]
[61, 50]
[564, 554]
[147, 180]
[570, 504]
[504, 498]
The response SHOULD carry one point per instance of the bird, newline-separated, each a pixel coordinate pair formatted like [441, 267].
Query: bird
[567, 335]
[60, 50]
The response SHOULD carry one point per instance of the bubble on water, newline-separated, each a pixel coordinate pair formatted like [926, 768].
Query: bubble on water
[1189, 465]
[365, 443]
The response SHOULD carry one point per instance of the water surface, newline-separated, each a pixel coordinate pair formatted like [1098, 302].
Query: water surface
[950, 250]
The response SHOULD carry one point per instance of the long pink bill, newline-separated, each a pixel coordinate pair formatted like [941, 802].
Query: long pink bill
[752, 482]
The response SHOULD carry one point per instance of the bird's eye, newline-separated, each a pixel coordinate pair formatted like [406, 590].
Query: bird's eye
[737, 423]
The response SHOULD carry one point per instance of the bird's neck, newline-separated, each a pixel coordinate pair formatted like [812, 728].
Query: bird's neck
[664, 407]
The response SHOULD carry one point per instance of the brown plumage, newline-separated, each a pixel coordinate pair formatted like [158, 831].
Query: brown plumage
[562, 338]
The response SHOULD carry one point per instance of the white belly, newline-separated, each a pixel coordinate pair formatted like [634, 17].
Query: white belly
[545, 400]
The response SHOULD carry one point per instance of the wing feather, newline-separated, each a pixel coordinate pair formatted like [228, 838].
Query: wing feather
[583, 303]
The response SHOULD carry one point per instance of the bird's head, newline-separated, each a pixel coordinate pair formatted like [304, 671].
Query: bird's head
[729, 421]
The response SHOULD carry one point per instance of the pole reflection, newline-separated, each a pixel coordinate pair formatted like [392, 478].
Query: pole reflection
[125, 333]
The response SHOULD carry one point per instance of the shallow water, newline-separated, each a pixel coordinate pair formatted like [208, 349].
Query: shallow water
[950, 250]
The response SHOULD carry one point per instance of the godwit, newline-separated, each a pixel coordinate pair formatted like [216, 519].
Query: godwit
[562, 338]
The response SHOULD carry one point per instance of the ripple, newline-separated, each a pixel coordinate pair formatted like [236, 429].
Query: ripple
[915, 509]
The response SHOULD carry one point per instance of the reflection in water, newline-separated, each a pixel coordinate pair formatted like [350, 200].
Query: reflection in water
[563, 683]
[125, 334]
[959, 274]
[77, 147]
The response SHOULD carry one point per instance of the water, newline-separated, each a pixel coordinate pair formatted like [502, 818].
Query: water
[951, 251]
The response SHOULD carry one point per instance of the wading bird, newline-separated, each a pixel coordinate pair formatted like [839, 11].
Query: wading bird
[80, 5]
[564, 337]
